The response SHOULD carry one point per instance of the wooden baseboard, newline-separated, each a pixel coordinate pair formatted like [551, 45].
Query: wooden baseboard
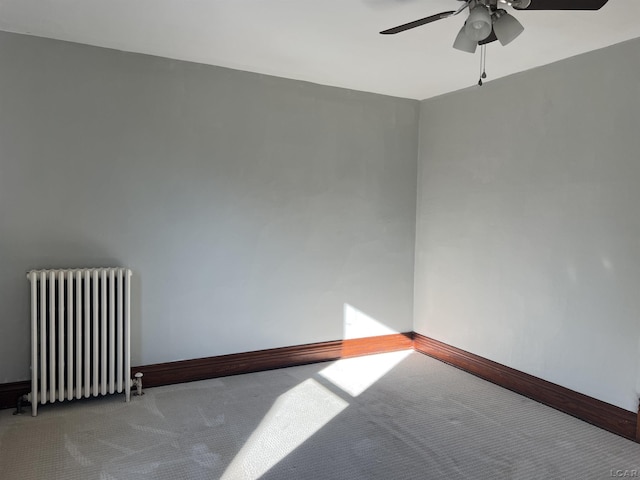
[239, 363]
[596, 412]
[638, 424]
[10, 392]
[604, 415]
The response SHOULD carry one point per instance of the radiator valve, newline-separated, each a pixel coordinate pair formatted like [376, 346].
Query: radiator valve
[22, 401]
[137, 382]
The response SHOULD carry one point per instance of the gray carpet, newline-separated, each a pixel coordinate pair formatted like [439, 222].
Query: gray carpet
[420, 420]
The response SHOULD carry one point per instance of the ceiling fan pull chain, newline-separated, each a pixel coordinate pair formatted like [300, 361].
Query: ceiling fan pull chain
[483, 56]
[480, 79]
[484, 61]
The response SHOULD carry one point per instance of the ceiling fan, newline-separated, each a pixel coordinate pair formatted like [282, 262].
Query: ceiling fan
[487, 22]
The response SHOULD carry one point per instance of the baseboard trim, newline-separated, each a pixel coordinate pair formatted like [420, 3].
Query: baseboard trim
[604, 415]
[601, 414]
[256, 361]
[638, 424]
[238, 363]
[10, 392]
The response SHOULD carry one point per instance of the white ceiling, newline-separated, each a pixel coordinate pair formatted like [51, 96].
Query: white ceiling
[331, 42]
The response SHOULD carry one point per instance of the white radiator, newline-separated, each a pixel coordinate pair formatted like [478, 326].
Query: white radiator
[80, 334]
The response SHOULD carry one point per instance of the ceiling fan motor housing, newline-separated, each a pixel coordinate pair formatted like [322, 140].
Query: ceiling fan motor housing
[517, 4]
[493, 4]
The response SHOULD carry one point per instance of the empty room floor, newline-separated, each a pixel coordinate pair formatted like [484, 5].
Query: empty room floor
[398, 415]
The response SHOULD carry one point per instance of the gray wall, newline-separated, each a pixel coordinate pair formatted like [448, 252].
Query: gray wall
[254, 211]
[528, 223]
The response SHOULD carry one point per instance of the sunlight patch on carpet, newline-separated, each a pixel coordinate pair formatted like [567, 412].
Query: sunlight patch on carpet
[294, 417]
[355, 375]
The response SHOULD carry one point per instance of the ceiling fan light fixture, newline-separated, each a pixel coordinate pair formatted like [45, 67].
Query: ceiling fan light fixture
[506, 27]
[464, 43]
[478, 26]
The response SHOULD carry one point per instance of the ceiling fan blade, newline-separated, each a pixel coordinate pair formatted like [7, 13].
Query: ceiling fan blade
[417, 23]
[564, 5]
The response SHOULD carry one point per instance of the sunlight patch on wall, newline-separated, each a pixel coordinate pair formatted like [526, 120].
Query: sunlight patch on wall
[355, 375]
[358, 324]
[294, 417]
